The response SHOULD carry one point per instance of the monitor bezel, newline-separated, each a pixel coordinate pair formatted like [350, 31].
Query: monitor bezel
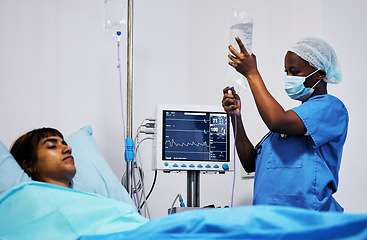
[159, 162]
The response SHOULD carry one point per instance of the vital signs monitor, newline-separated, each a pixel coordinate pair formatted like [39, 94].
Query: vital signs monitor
[191, 137]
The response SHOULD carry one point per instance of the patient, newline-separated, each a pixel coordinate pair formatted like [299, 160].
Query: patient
[64, 209]
[45, 156]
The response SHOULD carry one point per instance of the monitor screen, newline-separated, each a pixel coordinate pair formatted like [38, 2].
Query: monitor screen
[192, 137]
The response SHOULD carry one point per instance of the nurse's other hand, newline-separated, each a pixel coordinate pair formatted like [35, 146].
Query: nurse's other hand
[231, 102]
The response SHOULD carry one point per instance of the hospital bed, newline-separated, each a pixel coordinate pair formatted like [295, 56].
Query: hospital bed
[98, 207]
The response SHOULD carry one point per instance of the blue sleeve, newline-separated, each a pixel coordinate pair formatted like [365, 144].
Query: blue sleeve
[325, 118]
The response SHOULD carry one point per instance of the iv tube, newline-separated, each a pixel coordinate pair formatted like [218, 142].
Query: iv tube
[118, 33]
[234, 151]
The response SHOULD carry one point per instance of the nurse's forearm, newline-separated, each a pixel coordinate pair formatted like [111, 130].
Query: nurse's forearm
[245, 149]
[270, 110]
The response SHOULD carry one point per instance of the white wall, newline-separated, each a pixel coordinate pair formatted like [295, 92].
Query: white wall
[344, 27]
[58, 69]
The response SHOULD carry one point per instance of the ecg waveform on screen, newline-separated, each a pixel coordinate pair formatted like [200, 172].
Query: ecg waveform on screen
[194, 136]
[172, 143]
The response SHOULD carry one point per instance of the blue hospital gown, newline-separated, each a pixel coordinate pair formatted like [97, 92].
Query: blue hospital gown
[302, 171]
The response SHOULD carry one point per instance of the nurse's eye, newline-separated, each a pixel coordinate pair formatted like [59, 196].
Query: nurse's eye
[51, 146]
[291, 72]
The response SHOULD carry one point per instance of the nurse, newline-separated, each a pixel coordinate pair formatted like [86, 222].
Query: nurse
[297, 162]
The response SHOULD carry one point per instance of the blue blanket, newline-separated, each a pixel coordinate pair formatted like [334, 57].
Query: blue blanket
[251, 222]
[46, 211]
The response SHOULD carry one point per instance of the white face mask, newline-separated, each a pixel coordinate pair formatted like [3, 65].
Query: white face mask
[295, 88]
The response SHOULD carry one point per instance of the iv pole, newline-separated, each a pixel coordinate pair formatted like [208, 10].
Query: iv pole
[129, 164]
[193, 177]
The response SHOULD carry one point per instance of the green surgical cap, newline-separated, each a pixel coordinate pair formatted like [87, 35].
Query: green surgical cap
[320, 55]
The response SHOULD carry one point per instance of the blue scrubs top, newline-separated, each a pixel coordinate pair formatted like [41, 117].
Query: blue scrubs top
[302, 171]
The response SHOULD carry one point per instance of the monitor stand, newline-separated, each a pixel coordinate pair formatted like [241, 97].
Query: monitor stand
[193, 188]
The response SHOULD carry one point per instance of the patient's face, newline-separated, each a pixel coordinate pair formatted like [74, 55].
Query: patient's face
[54, 161]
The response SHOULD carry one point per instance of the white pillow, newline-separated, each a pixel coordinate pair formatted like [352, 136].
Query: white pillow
[10, 172]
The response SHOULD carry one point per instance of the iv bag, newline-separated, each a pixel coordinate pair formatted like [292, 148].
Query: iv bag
[115, 12]
[241, 26]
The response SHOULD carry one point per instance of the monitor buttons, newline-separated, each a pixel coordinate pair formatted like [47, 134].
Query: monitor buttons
[225, 166]
[196, 166]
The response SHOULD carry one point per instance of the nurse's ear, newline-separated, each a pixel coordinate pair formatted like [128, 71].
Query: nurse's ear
[321, 74]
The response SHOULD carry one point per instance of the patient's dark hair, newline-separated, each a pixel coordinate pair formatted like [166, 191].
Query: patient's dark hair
[24, 148]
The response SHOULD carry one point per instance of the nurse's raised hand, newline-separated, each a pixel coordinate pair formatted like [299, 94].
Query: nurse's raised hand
[243, 62]
[231, 102]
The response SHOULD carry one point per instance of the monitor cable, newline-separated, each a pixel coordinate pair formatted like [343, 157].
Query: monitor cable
[182, 204]
[146, 127]
[151, 188]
